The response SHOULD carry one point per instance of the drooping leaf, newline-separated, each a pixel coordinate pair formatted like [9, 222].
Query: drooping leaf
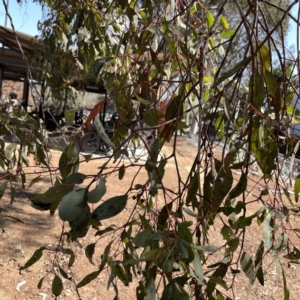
[222, 186]
[73, 204]
[170, 10]
[121, 172]
[231, 71]
[144, 238]
[208, 248]
[105, 256]
[151, 290]
[79, 226]
[65, 161]
[227, 34]
[70, 115]
[125, 277]
[155, 30]
[88, 278]
[152, 116]
[107, 229]
[110, 208]
[265, 150]
[186, 252]
[280, 272]
[57, 286]
[141, 100]
[224, 23]
[75, 178]
[33, 181]
[243, 222]
[89, 252]
[184, 232]
[193, 189]
[189, 212]
[10, 150]
[210, 20]
[239, 188]
[53, 194]
[102, 133]
[40, 283]
[258, 263]
[247, 266]
[98, 192]
[271, 83]
[258, 90]
[3, 186]
[265, 57]
[219, 125]
[33, 259]
[219, 273]
[64, 273]
[164, 215]
[198, 268]
[233, 244]
[297, 188]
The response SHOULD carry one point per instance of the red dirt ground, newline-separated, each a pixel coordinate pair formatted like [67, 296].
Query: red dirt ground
[19, 241]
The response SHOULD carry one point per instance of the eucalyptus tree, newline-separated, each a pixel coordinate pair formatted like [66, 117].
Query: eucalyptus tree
[162, 55]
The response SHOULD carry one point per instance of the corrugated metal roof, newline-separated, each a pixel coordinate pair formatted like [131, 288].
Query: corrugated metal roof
[11, 59]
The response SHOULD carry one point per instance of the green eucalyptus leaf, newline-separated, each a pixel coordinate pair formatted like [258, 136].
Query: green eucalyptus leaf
[224, 23]
[73, 204]
[247, 266]
[110, 208]
[265, 56]
[107, 229]
[271, 82]
[185, 251]
[10, 150]
[231, 71]
[102, 133]
[222, 186]
[144, 238]
[57, 286]
[88, 278]
[259, 90]
[243, 222]
[3, 186]
[210, 20]
[240, 187]
[258, 263]
[70, 115]
[184, 232]
[198, 268]
[98, 192]
[34, 258]
[297, 188]
[80, 225]
[227, 34]
[151, 116]
[89, 252]
[121, 172]
[53, 194]
[104, 258]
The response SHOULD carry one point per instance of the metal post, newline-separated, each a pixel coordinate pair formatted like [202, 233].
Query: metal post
[25, 93]
[1, 77]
